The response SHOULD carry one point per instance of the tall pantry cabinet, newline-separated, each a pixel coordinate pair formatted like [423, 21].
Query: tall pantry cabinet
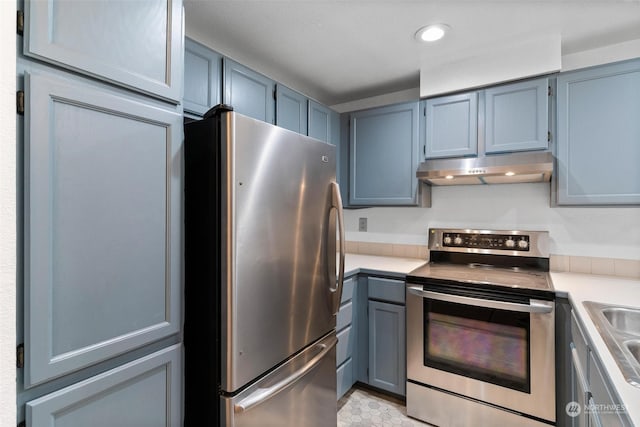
[99, 326]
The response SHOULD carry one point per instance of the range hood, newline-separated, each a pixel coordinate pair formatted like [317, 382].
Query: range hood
[489, 169]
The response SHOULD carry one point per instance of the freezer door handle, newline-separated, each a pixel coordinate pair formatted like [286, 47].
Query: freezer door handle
[336, 285]
[261, 395]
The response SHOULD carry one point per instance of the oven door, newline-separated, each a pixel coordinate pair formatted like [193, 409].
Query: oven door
[494, 347]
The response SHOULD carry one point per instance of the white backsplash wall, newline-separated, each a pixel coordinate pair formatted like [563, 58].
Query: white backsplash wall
[607, 232]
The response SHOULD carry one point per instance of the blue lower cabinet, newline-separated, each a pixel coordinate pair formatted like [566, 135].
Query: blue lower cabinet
[145, 392]
[345, 377]
[387, 364]
[346, 334]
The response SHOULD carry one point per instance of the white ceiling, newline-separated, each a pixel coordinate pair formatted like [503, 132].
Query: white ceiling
[343, 50]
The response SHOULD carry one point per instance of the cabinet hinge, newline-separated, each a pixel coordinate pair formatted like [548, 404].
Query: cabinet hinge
[20, 102]
[20, 356]
[549, 91]
[549, 136]
[275, 97]
[20, 22]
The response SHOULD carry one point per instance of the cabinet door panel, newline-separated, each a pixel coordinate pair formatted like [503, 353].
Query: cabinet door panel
[517, 117]
[345, 378]
[145, 392]
[319, 121]
[384, 156]
[202, 78]
[387, 366]
[291, 110]
[102, 225]
[248, 92]
[599, 135]
[452, 126]
[602, 396]
[133, 44]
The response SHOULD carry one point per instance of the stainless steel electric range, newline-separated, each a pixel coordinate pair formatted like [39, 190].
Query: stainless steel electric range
[480, 330]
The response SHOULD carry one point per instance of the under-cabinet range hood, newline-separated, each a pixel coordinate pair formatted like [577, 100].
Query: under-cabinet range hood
[490, 169]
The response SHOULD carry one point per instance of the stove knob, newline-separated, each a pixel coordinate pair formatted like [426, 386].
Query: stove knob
[523, 244]
[447, 240]
[457, 240]
[510, 243]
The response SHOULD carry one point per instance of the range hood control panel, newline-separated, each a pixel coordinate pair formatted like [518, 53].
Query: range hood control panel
[506, 242]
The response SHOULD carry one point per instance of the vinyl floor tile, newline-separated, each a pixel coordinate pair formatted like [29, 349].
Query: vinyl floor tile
[361, 407]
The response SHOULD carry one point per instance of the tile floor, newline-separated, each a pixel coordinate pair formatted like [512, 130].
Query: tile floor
[361, 407]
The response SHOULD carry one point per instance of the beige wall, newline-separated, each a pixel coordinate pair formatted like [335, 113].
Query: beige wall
[599, 232]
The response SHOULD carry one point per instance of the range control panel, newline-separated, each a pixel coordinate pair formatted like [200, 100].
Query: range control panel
[507, 242]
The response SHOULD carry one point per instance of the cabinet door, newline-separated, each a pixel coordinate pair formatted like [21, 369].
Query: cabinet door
[202, 78]
[145, 392]
[320, 121]
[603, 397]
[576, 409]
[599, 135]
[517, 116]
[248, 92]
[384, 156]
[387, 365]
[102, 225]
[291, 110]
[134, 44]
[452, 126]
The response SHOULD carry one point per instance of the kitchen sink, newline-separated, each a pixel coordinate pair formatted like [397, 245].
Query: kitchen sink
[623, 319]
[619, 327]
[634, 349]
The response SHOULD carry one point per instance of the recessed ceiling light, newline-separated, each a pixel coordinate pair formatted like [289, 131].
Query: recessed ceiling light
[448, 177]
[510, 173]
[431, 33]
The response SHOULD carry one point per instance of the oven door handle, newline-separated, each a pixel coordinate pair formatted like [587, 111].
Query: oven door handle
[534, 307]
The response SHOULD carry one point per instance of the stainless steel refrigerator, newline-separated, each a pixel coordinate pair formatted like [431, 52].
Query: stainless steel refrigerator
[263, 282]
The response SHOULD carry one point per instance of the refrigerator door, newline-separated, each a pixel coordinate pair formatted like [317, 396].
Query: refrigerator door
[302, 392]
[278, 246]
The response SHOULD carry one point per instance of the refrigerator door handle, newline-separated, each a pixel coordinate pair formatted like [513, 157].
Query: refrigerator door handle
[336, 203]
[261, 395]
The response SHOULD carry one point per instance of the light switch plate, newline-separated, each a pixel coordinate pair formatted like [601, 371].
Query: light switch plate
[362, 224]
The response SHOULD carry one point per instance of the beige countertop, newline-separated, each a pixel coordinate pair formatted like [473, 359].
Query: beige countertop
[608, 290]
[579, 287]
[383, 264]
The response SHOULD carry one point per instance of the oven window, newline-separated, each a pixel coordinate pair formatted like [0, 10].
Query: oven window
[487, 344]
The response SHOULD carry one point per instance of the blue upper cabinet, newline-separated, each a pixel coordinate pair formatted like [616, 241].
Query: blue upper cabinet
[598, 148]
[291, 109]
[384, 155]
[248, 92]
[138, 45]
[517, 116]
[452, 126]
[202, 78]
[320, 121]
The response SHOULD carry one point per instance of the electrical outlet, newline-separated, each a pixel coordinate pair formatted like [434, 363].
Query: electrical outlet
[362, 224]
